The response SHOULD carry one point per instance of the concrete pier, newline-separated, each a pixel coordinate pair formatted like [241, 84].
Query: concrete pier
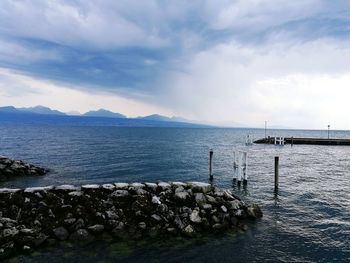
[311, 141]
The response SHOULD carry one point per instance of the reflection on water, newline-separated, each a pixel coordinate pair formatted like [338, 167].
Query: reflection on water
[307, 220]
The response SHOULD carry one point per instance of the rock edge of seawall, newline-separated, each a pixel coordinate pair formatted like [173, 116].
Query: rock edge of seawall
[37, 216]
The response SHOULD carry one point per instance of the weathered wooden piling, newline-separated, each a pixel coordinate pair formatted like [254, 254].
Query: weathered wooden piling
[211, 164]
[245, 168]
[276, 171]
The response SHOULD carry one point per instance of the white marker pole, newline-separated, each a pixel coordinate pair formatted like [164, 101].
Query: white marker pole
[235, 167]
[239, 169]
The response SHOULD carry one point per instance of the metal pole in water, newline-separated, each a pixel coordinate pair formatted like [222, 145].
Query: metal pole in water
[265, 128]
[245, 168]
[211, 164]
[276, 171]
[235, 167]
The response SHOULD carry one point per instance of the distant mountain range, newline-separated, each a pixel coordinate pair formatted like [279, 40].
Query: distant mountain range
[45, 115]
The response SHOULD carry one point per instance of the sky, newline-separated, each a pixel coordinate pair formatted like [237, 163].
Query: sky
[235, 63]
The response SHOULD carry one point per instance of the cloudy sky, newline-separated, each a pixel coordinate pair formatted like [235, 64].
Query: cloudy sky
[216, 61]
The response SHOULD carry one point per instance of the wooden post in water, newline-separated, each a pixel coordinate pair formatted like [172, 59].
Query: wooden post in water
[292, 142]
[245, 168]
[211, 164]
[276, 171]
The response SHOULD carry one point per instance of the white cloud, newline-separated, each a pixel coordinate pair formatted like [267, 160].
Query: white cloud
[295, 86]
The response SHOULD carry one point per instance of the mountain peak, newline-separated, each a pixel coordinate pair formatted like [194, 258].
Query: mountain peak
[41, 110]
[104, 113]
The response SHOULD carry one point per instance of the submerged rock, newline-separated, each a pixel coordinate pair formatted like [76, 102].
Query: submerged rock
[11, 168]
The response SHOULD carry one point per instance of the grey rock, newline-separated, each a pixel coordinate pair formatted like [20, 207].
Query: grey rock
[164, 186]
[211, 199]
[200, 198]
[156, 217]
[141, 191]
[234, 205]
[151, 186]
[9, 232]
[182, 196]
[223, 209]
[78, 224]
[217, 227]
[61, 233]
[179, 189]
[162, 208]
[200, 187]
[254, 211]
[178, 223]
[69, 221]
[40, 239]
[207, 207]
[81, 235]
[120, 193]
[142, 225]
[96, 229]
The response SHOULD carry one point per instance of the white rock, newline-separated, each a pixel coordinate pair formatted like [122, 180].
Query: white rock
[122, 186]
[156, 200]
[90, 186]
[108, 186]
[76, 193]
[9, 190]
[67, 187]
[37, 189]
[228, 195]
[194, 217]
[137, 185]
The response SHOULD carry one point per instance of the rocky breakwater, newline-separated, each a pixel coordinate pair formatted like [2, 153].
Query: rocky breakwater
[33, 217]
[10, 168]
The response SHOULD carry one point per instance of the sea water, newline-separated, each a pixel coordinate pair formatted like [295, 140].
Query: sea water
[308, 220]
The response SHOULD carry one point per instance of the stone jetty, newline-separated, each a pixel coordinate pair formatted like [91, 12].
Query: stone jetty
[38, 216]
[11, 168]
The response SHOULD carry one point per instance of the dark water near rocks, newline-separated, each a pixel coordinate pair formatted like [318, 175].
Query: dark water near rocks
[307, 221]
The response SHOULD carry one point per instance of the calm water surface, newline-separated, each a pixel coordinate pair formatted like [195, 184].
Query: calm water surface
[307, 221]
